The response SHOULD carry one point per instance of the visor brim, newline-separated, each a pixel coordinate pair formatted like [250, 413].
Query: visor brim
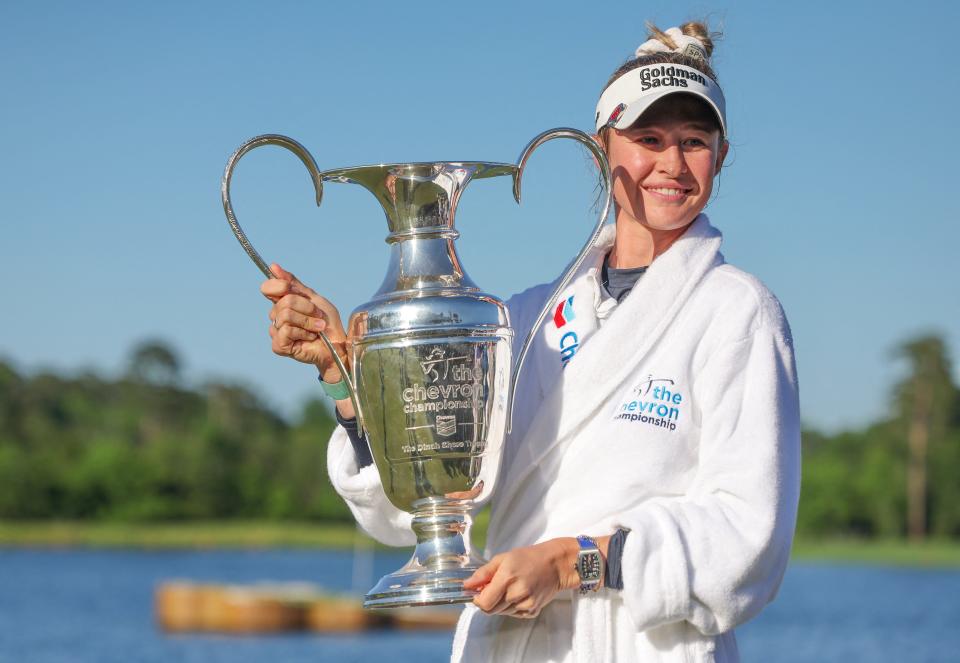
[635, 109]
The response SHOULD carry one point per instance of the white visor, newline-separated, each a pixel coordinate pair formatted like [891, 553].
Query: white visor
[630, 95]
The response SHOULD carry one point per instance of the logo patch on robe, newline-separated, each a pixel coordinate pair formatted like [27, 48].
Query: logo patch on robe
[564, 312]
[655, 402]
[569, 342]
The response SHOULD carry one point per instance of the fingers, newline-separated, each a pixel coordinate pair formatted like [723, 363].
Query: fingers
[297, 305]
[517, 592]
[294, 312]
[483, 575]
[492, 597]
[284, 282]
[288, 341]
[501, 591]
[292, 317]
[274, 289]
[281, 273]
[517, 601]
[286, 335]
[517, 583]
[277, 289]
[525, 610]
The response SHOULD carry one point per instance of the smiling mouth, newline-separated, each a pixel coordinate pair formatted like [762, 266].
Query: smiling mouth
[668, 193]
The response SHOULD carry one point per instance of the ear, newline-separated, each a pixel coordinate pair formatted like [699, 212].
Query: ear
[598, 139]
[721, 155]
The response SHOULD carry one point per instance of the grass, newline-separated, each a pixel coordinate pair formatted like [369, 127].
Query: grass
[202, 534]
[937, 552]
[267, 534]
[219, 534]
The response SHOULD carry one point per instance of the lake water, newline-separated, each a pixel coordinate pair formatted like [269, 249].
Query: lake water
[97, 606]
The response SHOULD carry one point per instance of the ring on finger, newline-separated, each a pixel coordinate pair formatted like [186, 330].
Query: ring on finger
[276, 322]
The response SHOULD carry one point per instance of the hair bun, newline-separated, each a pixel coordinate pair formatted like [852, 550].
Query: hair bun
[691, 39]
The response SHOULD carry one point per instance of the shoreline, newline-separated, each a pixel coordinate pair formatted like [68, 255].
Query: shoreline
[205, 535]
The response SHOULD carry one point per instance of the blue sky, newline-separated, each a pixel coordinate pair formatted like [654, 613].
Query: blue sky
[116, 119]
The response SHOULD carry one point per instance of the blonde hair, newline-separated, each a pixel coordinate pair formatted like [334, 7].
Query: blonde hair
[696, 29]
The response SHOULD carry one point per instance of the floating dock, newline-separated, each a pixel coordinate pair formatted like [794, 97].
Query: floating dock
[184, 607]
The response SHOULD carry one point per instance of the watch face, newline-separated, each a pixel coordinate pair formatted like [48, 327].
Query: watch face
[589, 566]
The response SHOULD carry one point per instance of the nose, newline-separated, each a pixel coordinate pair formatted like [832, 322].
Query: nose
[671, 161]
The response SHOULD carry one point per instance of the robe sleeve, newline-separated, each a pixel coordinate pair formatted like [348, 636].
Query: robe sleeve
[716, 555]
[362, 491]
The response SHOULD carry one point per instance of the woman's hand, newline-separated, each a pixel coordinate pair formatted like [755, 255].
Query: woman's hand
[297, 317]
[520, 582]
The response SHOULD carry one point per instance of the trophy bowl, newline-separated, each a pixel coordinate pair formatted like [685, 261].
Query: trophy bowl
[430, 370]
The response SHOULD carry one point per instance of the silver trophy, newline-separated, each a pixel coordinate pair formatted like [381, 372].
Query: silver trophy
[430, 372]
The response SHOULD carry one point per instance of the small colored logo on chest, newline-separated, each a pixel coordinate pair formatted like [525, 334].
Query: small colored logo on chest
[569, 342]
[564, 312]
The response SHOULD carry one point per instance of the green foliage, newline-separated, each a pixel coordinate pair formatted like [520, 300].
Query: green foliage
[945, 481]
[145, 449]
[856, 483]
[154, 361]
[853, 484]
[141, 448]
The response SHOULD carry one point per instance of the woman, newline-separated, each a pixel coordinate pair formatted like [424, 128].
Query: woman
[658, 418]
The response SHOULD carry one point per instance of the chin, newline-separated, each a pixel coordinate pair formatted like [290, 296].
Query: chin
[669, 224]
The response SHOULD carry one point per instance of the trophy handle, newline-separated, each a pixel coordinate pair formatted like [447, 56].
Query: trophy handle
[604, 166]
[308, 161]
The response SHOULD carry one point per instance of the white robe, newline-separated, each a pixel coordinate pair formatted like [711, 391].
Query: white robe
[673, 414]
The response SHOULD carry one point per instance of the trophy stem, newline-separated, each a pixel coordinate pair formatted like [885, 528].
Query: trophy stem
[441, 562]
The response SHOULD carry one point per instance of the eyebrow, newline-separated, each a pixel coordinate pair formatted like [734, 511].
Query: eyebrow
[695, 125]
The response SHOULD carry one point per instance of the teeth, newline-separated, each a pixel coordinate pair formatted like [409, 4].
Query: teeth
[667, 192]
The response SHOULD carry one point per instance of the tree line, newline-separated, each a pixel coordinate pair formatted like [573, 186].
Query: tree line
[143, 447]
[900, 476]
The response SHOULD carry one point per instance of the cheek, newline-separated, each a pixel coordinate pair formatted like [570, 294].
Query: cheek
[629, 170]
[703, 168]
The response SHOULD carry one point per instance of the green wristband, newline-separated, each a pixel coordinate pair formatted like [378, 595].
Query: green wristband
[337, 392]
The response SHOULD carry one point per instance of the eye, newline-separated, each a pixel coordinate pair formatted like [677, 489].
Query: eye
[647, 140]
[695, 142]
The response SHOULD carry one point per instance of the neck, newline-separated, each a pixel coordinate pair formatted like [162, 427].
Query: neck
[638, 245]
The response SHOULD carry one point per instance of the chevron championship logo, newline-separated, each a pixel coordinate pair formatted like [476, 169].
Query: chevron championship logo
[564, 312]
[569, 343]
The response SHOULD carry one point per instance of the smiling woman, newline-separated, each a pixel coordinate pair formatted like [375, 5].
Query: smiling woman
[661, 119]
[653, 463]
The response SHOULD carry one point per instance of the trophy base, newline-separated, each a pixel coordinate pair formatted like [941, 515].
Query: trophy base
[404, 590]
[440, 563]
